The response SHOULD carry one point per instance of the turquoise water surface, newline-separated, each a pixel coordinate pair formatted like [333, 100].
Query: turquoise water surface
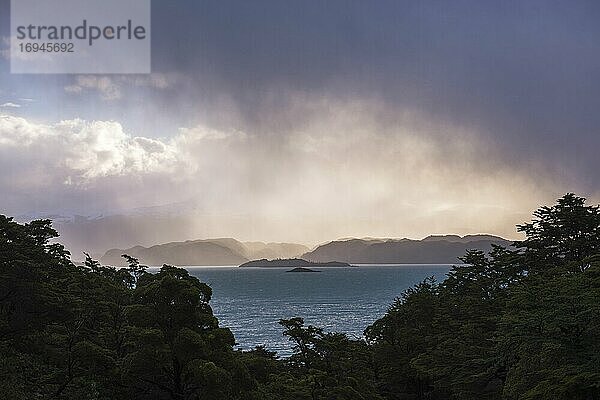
[250, 301]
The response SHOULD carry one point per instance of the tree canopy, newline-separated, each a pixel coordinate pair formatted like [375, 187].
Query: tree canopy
[516, 323]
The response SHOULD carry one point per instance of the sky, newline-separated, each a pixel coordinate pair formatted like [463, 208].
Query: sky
[309, 121]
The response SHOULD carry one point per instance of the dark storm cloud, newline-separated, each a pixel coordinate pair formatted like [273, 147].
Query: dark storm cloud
[524, 75]
[336, 118]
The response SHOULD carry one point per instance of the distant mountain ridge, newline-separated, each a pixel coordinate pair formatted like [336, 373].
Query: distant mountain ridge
[435, 249]
[224, 251]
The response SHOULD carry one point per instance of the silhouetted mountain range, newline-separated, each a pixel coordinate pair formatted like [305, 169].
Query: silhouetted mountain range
[205, 252]
[439, 249]
[442, 249]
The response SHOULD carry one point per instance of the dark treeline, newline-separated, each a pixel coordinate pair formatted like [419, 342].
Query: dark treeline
[519, 323]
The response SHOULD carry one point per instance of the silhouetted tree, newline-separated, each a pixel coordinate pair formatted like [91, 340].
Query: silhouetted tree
[519, 323]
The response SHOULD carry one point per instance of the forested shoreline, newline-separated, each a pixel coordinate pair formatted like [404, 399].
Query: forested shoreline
[518, 323]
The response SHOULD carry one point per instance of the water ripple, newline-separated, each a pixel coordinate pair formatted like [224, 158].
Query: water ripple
[251, 301]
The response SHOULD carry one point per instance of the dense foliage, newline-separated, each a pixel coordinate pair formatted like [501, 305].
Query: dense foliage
[514, 324]
[518, 323]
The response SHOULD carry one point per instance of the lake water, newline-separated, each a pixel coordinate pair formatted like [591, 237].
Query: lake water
[251, 301]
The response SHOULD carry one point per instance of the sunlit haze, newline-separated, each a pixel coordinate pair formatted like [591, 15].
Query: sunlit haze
[343, 121]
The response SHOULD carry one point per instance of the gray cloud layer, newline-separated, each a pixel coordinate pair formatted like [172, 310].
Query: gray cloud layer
[343, 172]
[523, 74]
[314, 120]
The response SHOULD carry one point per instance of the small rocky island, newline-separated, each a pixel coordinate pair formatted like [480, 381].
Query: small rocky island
[302, 269]
[296, 263]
